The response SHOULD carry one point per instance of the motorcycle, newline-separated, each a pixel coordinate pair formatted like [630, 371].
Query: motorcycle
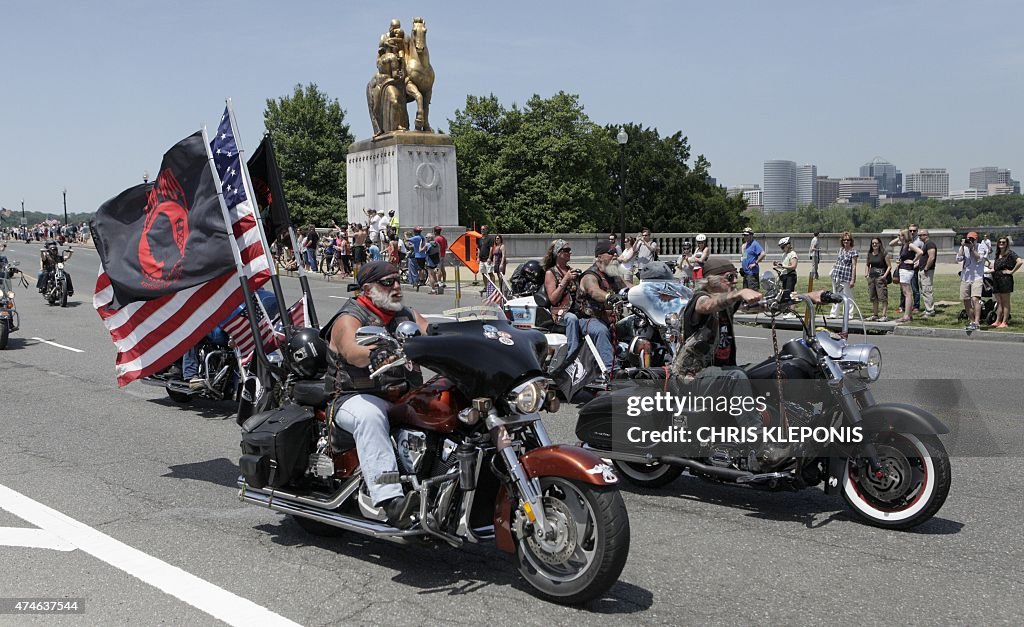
[9, 319]
[56, 288]
[897, 475]
[471, 442]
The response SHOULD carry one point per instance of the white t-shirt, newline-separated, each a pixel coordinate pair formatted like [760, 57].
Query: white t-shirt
[374, 226]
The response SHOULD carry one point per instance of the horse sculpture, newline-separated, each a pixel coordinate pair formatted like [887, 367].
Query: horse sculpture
[402, 77]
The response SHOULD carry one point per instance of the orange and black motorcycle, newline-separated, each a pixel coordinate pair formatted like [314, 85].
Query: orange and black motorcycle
[472, 443]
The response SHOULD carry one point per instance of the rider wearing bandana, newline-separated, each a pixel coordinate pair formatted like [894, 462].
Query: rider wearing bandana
[360, 405]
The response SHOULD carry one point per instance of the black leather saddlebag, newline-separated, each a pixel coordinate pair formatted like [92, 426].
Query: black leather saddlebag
[276, 445]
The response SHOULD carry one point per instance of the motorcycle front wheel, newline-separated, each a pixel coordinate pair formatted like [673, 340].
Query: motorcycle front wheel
[914, 482]
[589, 546]
[4, 334]
[63, 294]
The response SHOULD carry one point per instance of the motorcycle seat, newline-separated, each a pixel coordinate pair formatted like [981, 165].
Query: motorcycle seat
[311, 393]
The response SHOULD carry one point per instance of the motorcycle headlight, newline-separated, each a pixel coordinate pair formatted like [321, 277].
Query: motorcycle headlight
[10, 295]
[528, 397]
[60, 266]
[863, 361]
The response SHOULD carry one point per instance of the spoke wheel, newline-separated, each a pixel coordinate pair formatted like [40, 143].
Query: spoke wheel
[586, 543]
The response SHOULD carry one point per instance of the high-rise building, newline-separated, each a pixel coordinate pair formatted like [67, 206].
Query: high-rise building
[981, 178]
[779, 185]
[806, 190]
[851, 185]
[931, 182]
[827, 191]
[890, 180]
[754, 197]
[737, 190]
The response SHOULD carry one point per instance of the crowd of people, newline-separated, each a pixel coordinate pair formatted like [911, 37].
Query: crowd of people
[45, 231]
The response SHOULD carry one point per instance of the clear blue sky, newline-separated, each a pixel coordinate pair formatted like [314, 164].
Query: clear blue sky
[93, 93]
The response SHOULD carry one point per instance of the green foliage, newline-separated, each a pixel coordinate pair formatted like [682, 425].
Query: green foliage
[539, 168]
[546, 167]
[311, 139]
[931, 213]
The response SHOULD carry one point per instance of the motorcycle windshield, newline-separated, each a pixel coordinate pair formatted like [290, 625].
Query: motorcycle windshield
[484, 358]
[657, 299]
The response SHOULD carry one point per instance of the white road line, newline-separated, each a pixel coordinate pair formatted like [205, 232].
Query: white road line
[67, 348]
[341, 297]
[751, 337]
[33, 539]
[199, 593]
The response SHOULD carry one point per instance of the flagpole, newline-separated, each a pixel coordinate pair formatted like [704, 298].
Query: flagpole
[246, 292]
[277, 194]
[275, 280]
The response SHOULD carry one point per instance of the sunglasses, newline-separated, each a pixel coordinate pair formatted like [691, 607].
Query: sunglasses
[730, 276]
[847, 241]
[388, 282]
[565, 250]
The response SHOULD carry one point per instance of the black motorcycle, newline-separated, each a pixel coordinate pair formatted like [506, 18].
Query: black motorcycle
[884, 458]
[56, 287]
[470, 441]
[9, 319]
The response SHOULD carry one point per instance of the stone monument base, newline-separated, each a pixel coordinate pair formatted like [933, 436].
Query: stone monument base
[410, 172]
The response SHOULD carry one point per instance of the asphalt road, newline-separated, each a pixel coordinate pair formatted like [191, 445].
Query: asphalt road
[151, 486]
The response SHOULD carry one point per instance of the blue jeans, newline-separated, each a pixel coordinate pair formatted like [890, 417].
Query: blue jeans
[598, 331]
[366, 418]
[190, 363]
[413, 270]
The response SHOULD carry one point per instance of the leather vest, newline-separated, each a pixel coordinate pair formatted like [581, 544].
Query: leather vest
[342, 376]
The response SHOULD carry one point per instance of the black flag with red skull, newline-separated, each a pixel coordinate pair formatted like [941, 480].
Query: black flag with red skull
[162, 237]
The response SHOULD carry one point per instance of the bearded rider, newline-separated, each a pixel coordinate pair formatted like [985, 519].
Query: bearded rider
[49, 257]
[599, 288]
[360, 405]
[708, 355]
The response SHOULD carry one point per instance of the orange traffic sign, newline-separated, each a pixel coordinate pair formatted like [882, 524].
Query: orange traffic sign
[465, 250]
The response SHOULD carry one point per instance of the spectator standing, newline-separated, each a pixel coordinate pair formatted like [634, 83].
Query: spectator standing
[373, 224]
[814, 254]
[701, 256]
[844, 270]
[685, 264]
[442, 244]
[910, 257]
[358, 248]
[310, 243]
[971, 255]
[484, 245]
[628, 259]
[419, 254]
[373, 250]
[646, 250]
[431, 261]
[615, 246]
[1006, 263]
[879, 272]
[392, 224]
[926, 272]
[752, 253]
[345, 253]
[498, 257]
[787, 267]
[915, 285]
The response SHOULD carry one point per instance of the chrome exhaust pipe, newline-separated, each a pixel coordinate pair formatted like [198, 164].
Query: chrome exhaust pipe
[280, 503]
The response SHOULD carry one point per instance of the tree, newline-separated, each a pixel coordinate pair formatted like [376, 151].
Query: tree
[539, 168]
[311, 140]
[663, 191]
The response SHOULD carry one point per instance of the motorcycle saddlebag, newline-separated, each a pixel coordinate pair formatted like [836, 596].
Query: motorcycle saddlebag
[276, 445]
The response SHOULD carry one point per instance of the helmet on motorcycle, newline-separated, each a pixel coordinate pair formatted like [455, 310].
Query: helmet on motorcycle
[306, 353]
[51, 245]
[702, 238]
[532, 269]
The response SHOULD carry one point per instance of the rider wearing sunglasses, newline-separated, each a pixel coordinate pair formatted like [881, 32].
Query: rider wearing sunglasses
[360, 404]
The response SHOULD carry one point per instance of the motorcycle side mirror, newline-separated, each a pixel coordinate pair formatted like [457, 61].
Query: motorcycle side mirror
[366, 336]
[407, 330]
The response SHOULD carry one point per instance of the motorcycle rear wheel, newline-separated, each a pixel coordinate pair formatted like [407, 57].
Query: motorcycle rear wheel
[648, 475]
[914, 489]
[590, 546]
[179, 397]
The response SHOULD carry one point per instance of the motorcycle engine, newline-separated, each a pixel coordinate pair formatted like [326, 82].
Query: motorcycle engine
[412, 448]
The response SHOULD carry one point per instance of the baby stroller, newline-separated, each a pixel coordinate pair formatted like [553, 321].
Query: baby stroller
[988, 303]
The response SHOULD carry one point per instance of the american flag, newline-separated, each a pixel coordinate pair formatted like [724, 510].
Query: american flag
[494, 295]
[150, 335]
[240, 332]
[299, 313]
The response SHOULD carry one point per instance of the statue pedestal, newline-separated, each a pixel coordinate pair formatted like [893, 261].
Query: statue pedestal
[409, 171]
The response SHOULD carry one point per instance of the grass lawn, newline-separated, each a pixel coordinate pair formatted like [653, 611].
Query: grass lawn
[947, 303]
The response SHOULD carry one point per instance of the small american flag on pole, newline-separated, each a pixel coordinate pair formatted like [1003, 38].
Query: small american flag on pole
[240, 332]
[494, 295]
[299, 313]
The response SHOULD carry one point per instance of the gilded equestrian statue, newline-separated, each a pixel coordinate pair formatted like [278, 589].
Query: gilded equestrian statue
[403, 75]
